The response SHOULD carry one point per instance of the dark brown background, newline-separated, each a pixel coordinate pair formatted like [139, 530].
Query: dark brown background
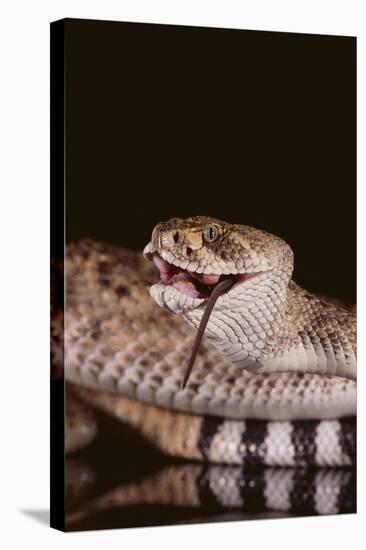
[252, 127]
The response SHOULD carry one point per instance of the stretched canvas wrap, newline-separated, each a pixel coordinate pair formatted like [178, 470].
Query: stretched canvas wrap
[203, 275]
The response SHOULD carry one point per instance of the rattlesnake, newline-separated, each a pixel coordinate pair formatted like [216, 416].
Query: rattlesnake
[274, 380]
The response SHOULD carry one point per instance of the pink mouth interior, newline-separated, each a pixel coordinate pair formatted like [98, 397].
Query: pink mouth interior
[196, 285]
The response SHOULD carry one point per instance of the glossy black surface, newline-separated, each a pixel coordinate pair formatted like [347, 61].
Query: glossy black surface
[118, 459]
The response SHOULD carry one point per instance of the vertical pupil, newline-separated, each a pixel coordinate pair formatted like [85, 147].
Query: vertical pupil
[210, 234]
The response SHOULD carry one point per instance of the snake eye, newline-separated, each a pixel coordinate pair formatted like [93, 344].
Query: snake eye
[210, 234]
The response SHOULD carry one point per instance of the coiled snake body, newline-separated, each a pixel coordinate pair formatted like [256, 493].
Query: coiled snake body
[274, 380]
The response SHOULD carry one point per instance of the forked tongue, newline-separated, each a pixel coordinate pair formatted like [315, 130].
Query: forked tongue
[219, 289]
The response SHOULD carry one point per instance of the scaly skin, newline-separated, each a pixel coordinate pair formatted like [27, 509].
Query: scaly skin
[127, 356]
[266, 323]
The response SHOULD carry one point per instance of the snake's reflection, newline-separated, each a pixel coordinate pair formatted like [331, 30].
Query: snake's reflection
[191, 492]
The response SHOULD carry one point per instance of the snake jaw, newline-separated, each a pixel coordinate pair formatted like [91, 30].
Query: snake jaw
[190, 286]
[196, 285]
[190, 283]
[193, 284]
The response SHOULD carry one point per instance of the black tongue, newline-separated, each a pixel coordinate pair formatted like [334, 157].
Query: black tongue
[219, 289]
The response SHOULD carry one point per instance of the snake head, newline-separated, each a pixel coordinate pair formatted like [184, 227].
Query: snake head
[193, 255]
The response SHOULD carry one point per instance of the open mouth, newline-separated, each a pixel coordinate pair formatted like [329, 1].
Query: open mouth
[191, 283]
[208, 287]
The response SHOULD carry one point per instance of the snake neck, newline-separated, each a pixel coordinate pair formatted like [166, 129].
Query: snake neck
[279, 327]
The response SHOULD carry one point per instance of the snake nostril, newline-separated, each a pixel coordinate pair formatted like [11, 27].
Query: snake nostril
[189, 251]
[176, 237]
